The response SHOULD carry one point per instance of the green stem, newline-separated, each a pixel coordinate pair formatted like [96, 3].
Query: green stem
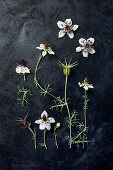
[85, 107]
[55, 138]
[35, 79]
[34, 136]
[70, 135]
[45, 138]
[24, 77]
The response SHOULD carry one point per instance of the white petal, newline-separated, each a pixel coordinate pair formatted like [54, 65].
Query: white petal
[90, 86]
[44, 53]
[75, 27]
[23, 71]
[44, 113]
[27, 70]
[51, 120]
[78, 49]
[51, 52]
[85, 87]
[42, 126]
[68, 22]
[70, 34]
[90, 41]
[85, 53]
[60, 24]
[38, 121]
[92, 51]
[18, 69]
[40, 48]
[82, 41]
[61, 33]
[48, 126]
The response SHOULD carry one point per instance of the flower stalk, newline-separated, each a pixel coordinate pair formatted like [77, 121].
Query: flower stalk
[45, 139]
[34, 136]
[56, 127]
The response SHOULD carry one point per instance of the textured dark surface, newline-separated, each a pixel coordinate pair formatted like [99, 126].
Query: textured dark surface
[24, 24]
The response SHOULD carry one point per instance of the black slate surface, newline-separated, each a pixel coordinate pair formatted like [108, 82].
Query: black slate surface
[24, 24]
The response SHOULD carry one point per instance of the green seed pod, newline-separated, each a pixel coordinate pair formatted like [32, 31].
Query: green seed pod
[67, 70]
[58, 125]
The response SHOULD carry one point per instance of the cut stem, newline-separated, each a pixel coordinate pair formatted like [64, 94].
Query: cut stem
[34, 136]
[24, 77]
[45, 138]
[69, 114]
[55, 138]
[85, 108]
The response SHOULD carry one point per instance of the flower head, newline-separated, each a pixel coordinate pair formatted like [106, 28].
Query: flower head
[45, 121]
[22, 67]
[86, 46]
[24, 121]
[46, 49]
[67, 67]
[66, 27]
[85, 84]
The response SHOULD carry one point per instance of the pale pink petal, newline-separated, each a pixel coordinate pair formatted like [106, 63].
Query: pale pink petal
[42, 126]
[90, 41]
[23, 70]
[61, 33]
[18, 69]
[70, 34]
[51, 52]
[75, 27]
[85, 53]
[38, 121]
[90, 86]
[44, 113]
[85, 87]
[44, 53]
[92, 51]
[82, 41]
[60, 24]
[48, 126]
[27, 70]
[78, 49]
[68, 22]
[51, 120]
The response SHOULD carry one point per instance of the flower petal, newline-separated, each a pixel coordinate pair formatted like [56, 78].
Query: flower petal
[60, 24]
[78, 49]
[42, 126]
[51, 52]
[51, 120]
[75, 27]
[61, 33]
[68, 22]
[85, 53]
[38, 121]
[82, 41]
[70, 34]
[40, 48]
[44, 53]
[44, 113]
[48, 126]
[92, 51]
[18, 69]
[27, 70]
[23, 71]
[90, 41]
[85, 87]
[90, 86]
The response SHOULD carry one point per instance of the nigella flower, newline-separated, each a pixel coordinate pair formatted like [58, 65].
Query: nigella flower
[24, 122]
[85, 84]
[22, 68]
[86, 46]
[45, 121]
[46, 49]
[66, 27]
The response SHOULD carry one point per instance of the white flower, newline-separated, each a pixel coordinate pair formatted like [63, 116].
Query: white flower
[86, 46]
[22, 68]
[85, 84]
[66, 27]
[45, 121]
[46, 49]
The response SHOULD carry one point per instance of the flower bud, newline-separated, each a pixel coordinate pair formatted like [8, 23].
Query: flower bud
[67, 70]
[58, 125]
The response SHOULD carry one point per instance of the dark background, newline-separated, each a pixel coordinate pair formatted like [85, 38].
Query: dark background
[24, 24]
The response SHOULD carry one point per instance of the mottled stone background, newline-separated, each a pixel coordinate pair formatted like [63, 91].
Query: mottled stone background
[24, 24]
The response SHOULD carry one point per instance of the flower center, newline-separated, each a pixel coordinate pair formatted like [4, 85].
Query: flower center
[47, 45]
[67, 27]
[87, 45]
[44, 118]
